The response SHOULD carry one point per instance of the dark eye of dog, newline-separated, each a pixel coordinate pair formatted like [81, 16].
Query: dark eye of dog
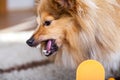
[47, 23]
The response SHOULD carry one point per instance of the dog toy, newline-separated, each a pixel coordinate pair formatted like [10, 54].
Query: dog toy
[90, 70]
[111, 79]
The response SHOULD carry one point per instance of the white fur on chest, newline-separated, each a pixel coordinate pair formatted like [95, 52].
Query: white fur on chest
[111, 63]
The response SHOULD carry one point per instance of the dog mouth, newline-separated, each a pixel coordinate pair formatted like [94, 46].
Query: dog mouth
[50, 47]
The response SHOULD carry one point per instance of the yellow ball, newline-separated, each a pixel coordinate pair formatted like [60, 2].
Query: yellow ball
[111, 79]
[90, 70]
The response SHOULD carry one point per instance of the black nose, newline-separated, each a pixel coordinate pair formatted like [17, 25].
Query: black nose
[30, 42]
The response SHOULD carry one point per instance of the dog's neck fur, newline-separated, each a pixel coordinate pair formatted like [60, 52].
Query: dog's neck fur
[98, 38]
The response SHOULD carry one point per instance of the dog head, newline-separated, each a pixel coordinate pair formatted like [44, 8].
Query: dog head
[55, 26]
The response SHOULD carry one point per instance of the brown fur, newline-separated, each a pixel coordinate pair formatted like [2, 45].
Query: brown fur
[83, 29]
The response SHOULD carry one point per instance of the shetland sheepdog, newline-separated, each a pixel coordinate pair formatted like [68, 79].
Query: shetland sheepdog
[76, 30]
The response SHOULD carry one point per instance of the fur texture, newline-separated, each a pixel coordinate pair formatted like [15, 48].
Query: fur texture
[83, 29]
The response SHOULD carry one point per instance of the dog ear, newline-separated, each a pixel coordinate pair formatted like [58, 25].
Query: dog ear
[66, 4]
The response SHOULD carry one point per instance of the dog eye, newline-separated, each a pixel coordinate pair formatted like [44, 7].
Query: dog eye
[47, 23]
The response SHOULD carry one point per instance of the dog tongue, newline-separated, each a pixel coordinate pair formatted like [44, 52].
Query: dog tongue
[49, 44]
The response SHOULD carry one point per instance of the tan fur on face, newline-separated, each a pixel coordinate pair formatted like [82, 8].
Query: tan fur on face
[88, 29]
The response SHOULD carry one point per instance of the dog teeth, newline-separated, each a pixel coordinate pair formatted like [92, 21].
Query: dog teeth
[44, 51]
[38, 46]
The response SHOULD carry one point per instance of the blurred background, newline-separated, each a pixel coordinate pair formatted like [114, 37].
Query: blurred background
[17, 60]
[13, 12]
